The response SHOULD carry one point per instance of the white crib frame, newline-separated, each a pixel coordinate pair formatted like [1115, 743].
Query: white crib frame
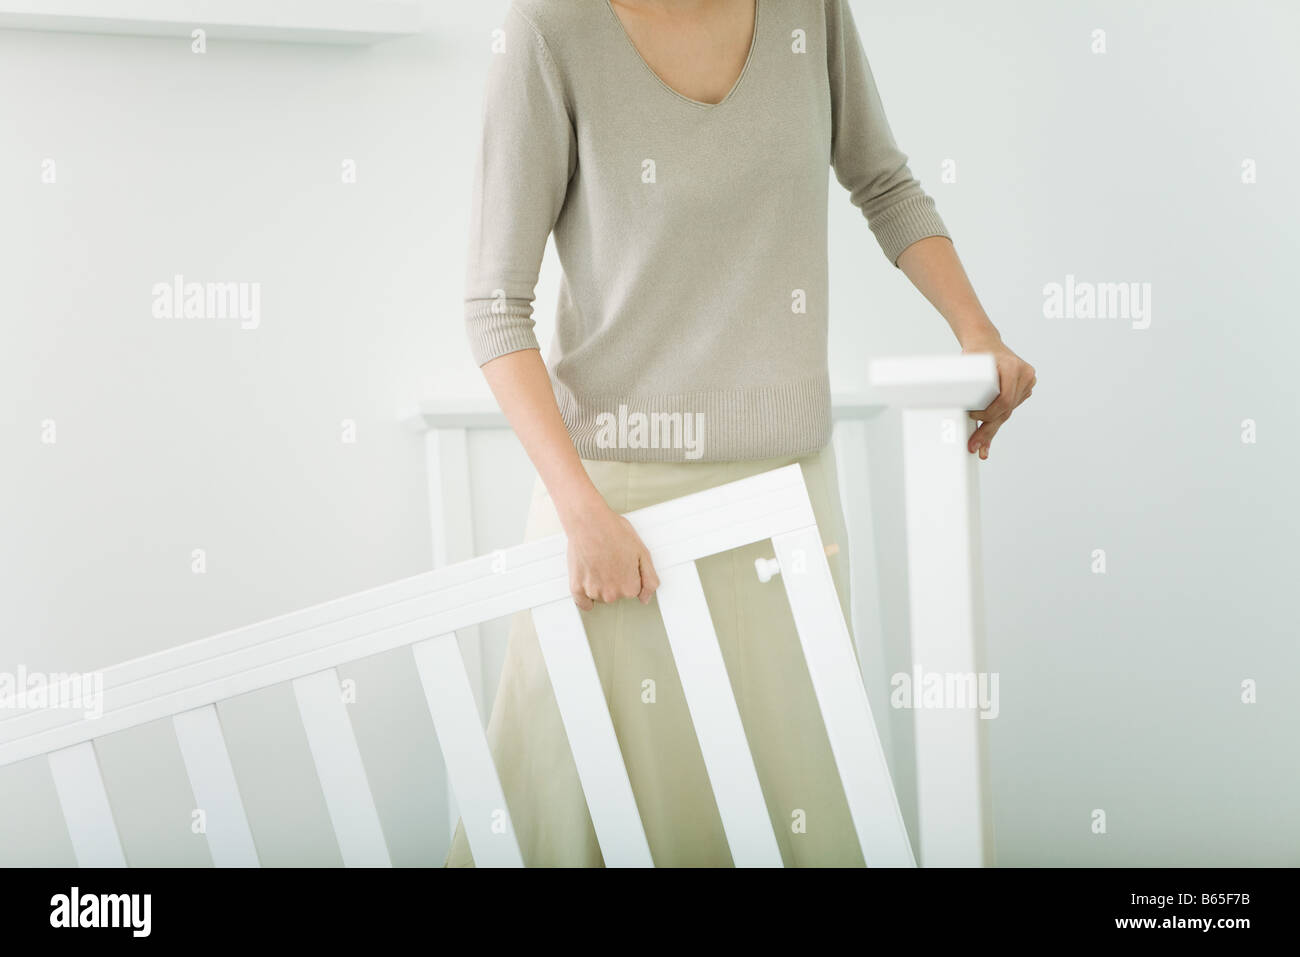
[426, 611]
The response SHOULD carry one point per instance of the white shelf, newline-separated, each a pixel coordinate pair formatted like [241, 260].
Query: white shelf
[300, 21]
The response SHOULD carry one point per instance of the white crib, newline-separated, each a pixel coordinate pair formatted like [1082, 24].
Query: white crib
[425, 612]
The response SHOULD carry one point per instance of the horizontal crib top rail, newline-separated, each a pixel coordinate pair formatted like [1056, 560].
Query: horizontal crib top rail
[400, 613]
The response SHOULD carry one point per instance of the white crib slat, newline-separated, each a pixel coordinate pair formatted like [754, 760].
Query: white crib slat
[470, 771]
[86, 810]
[342, 774]
[216, 793]
[718, 726]
[842, 698]
[450, 490]
[590, 730]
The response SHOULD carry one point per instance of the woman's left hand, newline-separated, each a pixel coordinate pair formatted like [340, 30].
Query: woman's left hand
[1016, 382]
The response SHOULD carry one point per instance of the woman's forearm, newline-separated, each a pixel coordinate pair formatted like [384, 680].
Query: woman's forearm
[522, 387]
[933, 267]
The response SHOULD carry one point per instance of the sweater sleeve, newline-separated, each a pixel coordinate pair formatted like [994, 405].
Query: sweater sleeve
[526, 157]
[867, 161]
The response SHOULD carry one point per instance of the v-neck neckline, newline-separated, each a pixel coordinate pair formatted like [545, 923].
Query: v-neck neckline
[753, 45]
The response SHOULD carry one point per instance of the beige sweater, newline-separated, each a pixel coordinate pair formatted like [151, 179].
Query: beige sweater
[692, 316]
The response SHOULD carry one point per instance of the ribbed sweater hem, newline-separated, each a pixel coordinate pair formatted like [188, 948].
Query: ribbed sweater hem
[792, 418]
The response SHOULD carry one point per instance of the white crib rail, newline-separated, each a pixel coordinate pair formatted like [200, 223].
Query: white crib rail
[424, 611]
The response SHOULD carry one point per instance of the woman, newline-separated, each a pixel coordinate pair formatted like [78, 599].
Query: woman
[679, 150]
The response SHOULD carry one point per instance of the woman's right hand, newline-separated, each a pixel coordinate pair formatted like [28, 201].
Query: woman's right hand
[608, 561]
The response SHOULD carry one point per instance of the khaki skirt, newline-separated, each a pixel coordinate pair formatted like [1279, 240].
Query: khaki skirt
[768, 674]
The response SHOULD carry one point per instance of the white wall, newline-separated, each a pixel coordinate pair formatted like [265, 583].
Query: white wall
[184, 434]
[1119, 691]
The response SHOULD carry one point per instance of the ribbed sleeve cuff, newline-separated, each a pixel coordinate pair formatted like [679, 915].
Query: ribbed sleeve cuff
[904, 223]
[492, 334]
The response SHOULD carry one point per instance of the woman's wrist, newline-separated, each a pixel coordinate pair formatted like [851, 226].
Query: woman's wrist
[577, 504]
[980, 337]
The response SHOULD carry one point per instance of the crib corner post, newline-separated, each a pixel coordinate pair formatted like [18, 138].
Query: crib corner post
[952, 691]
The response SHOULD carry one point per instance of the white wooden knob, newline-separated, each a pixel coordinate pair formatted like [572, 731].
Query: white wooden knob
[766, 568]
